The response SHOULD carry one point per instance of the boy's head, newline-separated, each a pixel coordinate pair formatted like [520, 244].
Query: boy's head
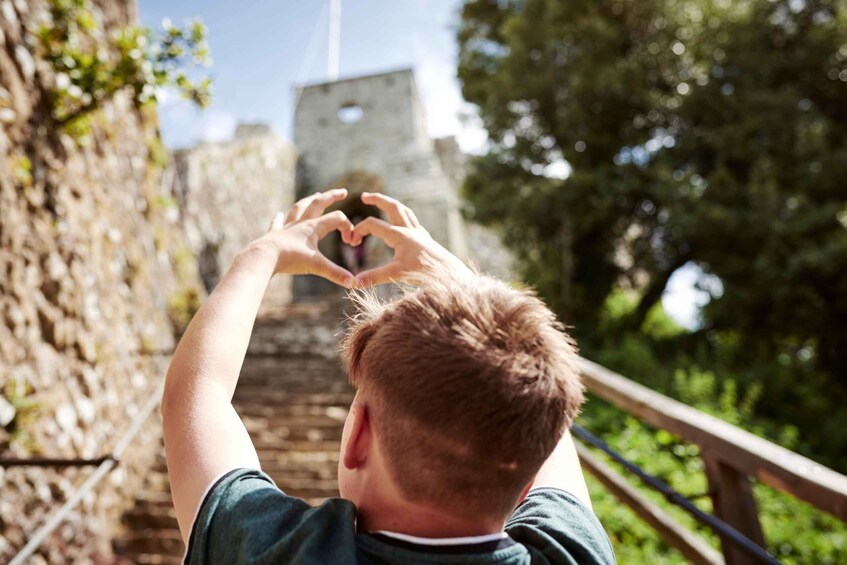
[469, 385]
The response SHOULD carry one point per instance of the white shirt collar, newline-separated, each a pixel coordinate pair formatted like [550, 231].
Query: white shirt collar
[469, 540]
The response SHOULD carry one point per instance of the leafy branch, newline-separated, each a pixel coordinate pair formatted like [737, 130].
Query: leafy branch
[92, 65]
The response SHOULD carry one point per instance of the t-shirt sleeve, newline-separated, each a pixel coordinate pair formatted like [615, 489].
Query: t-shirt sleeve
[555, 524]
[245, 518]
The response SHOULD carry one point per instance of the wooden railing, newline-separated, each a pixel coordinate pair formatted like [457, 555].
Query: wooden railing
[732, 458]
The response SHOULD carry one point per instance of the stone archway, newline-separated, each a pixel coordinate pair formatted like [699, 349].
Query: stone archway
[369, 254]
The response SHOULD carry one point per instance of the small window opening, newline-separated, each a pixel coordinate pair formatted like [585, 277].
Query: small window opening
[350, 113]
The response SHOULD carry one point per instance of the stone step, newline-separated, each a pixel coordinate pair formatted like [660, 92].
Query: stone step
[293, 396]
[287, 436]
[152, 559]
[266, 405]
[283, 445]
[317, 475]
[155, 497]
[306, 421]
[295, 460]
[148, 541]
[144, 516]
[285, 387]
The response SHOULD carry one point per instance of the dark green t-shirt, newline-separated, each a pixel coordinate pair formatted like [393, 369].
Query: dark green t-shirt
[245, 518]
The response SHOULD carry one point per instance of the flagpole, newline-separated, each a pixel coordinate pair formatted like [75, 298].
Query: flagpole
[334, 40]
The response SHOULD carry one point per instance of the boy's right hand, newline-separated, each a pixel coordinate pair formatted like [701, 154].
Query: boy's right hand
[413, 247]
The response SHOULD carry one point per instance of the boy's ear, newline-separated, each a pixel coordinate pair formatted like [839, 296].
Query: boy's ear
[359, 443]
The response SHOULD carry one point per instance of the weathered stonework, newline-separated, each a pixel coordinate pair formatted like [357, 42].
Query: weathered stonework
[228, 193]
[103, 255]
[91, 258]
[375, 124]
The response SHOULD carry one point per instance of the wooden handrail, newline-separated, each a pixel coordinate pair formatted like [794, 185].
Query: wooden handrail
[691, 545]
[735, 448]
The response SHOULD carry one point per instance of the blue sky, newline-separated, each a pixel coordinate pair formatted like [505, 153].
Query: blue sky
[261, 49]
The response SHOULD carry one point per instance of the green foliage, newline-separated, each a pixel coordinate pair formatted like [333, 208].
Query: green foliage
[91, 65]
[796, 532]
[27, 411]
[162, 202]
[696, 131]
[693, 131]
[157, 153]
[700, 390]
[22, 170]
[633, 540]
[182, 305]
[784, 397]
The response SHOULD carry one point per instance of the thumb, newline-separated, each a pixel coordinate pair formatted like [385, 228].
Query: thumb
[325, 268]
[278, 222]
[390, 272]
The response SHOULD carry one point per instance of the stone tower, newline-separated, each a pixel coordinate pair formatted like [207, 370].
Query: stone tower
[375, 124]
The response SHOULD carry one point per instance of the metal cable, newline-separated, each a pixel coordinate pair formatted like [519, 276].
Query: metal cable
[672, 496]
[6, 462]
[75, 461]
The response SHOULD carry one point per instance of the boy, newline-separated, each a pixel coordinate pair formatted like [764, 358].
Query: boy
[456, 448]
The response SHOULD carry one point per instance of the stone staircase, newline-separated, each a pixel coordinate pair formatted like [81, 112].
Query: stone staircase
[293, 397]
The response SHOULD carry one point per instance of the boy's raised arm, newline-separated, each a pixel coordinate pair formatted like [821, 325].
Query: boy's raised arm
[563, 471]
[204, 437]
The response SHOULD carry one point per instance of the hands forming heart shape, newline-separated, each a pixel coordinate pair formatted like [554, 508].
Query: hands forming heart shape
[296, 236]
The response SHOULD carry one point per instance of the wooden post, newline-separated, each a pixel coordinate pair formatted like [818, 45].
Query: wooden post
[689, 543]
[733, 501]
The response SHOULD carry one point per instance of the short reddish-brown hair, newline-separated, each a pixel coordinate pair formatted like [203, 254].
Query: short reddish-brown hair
[469, 383]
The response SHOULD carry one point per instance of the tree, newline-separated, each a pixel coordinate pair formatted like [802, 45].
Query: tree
[696, 131]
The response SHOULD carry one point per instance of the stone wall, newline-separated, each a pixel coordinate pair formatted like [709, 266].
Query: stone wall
[92, 258]
[228, 193]
[488, 254]
[376, 124]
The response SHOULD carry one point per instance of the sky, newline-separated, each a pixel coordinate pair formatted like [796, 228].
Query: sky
[261, 49]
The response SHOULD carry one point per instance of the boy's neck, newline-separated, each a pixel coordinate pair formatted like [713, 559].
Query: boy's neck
[402, 517]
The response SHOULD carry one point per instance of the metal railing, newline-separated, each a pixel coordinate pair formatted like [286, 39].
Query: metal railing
[731, 455]
[104, 464]
[732, 458]
[716, 524]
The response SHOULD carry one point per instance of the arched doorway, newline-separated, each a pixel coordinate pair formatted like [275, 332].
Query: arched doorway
[373, 252]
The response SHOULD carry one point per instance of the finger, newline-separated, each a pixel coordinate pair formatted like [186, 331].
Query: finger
[380, 228]
[278, 222]
[322, 201]
[379, 275]
[299, 209]
[393, 209]
[410, 216]
[334, 221]
[325, 268]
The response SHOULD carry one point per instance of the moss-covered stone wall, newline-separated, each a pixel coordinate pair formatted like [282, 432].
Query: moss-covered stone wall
[93, 267]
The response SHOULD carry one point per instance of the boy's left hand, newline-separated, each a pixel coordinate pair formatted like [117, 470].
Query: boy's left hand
[294, 237]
